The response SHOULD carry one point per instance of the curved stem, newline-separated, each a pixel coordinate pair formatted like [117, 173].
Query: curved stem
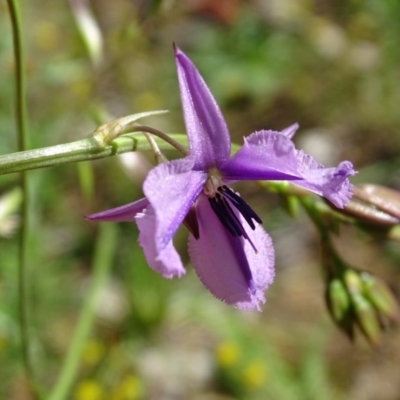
[161, 135]
[102, 261]
[21, 125]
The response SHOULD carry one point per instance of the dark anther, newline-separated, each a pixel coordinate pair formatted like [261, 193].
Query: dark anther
[220, 208]
[221, 205]
[241, 206]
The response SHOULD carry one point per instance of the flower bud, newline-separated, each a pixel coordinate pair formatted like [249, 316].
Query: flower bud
[357, 298]
[352, 281]
[380, 296]
[338, 299]
[375, 204]
[366, 318]
[339, 306]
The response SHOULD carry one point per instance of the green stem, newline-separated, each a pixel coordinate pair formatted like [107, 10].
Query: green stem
[163, 136]
[81, 150]
[315, 215]
[20, 107]
[22, 134]
[104, 251]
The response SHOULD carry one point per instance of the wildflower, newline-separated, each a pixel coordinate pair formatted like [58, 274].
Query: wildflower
[89, 389]
[230, 251]
[254, 375]
[227, 354]
[130, 388]
[93, 352]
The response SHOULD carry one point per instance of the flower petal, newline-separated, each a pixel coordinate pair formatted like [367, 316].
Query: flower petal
[265, 155]
[171, 189]
[123, 213]
[229, 267]
[208, 135]
[167, 262]
[332, 183]
[290, 130]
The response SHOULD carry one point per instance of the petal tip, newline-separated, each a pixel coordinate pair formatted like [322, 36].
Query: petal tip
[101, 216]
[290, 131]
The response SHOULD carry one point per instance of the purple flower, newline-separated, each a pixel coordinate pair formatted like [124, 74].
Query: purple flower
[230, 251]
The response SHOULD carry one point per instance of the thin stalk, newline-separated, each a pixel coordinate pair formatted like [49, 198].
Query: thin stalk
[102, 261]
[312, 211]
[158, 155]
[81, 150]
[22, 135]
[162, 136]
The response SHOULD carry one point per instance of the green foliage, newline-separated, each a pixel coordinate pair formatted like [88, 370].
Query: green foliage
[333, 69]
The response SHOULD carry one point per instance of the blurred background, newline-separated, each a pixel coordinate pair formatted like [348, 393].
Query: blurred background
[332, 66]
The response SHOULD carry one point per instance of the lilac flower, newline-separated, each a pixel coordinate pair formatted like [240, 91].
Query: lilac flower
[230, 251]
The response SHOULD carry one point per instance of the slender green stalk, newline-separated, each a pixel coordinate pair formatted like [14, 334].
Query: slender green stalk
[104, 251]
[315, 215]
[22, 135]
[20, 106]
[163, 136]
[81, 150]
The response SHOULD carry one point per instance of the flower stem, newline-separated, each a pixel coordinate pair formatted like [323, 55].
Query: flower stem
[80, 150]
[315, 215]
[162, 136]
[102, 261]
[22, 135]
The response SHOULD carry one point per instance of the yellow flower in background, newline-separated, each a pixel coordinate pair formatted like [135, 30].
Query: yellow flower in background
[254, 375]
[93, 352]
[227, 354]
[89, 389]
[130, 388]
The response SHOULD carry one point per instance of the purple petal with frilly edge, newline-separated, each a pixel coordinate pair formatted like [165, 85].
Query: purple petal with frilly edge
[229, 267]
[208, 135]
[167, 262]
[123, 213]
[265, 155]
[171, 189]
[332, 183]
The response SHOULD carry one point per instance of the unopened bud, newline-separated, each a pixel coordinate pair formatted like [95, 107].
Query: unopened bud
[339, 306]
[353, 281]
[338, 299]
[380, 296]
[366, 318]
[356, 298]
[375, 204]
